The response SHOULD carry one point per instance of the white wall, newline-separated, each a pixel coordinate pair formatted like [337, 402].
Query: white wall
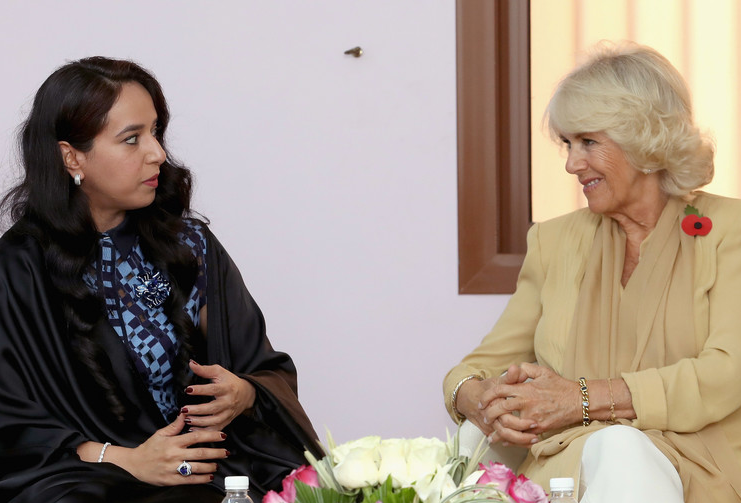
[331, 179]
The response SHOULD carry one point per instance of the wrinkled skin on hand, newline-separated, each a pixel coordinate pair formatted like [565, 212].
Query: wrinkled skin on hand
[475, 398]
[512, 410]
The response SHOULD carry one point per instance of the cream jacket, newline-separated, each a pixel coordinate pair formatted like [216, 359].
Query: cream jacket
[673, 334]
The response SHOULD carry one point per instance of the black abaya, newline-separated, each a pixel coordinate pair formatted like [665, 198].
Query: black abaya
[49, 403]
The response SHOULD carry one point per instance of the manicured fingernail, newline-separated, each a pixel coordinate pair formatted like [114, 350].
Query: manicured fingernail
[533, 440]
[211, 478]
[533, 426]
[188, 420]
[189, 390]
[227, 453]
[184, 410]
[193, 362]
[223, 436]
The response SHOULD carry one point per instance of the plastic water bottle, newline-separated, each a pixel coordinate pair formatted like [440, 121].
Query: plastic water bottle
[236, 490]
[562, 490]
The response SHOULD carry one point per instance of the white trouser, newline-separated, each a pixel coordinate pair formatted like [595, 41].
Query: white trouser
[620, 464]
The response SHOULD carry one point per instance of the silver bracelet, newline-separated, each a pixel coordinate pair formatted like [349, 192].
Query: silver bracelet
[454, 396]
[102, 452]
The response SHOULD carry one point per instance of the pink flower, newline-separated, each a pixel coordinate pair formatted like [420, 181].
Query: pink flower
[273, 497]
[496, 473]
[524, 490]
[305, 474]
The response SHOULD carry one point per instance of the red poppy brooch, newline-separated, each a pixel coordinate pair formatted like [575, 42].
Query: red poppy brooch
[694, 224]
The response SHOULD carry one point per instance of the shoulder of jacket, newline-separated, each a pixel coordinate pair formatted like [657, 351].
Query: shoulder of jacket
[723, 212]
[579, 221]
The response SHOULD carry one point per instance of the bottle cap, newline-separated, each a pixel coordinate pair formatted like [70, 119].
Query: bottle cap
[240, 483]
[562, 484]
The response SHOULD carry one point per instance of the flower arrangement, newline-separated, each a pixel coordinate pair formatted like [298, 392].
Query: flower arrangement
[420, 470]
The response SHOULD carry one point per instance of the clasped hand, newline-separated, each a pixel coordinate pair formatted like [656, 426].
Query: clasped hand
[512, 410]
[231, 394]
[155, 461]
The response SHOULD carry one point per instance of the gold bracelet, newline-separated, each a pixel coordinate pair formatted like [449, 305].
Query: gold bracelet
[454, 396]
[612, 401]
[584, 401]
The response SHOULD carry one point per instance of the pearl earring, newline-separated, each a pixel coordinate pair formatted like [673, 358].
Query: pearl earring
[78, 179]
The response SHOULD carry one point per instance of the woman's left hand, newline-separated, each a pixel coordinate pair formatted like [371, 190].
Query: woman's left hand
[549, 401]
[231, 394]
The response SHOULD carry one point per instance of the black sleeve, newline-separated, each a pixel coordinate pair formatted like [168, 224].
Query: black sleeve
[277, 432]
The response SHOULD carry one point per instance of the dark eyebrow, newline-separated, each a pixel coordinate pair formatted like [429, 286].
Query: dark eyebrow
[134, 127]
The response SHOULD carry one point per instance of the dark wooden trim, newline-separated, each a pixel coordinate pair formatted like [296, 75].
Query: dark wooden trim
[493, 65]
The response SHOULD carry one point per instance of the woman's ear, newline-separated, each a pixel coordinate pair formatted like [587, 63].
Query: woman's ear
[72, 159]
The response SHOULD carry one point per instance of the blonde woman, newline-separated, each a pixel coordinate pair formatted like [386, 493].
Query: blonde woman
[628, 307]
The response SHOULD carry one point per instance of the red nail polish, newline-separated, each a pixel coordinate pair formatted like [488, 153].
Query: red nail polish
[211, 477]
[189, 389]
[223, 436]
[188, 420]
[227, 453]
[184, 410]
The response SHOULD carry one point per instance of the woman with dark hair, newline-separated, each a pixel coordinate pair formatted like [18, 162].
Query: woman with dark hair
[113, 385]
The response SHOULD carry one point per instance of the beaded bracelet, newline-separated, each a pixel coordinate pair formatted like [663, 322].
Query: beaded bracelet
[584, 401]
[102, 451]
[454, 396]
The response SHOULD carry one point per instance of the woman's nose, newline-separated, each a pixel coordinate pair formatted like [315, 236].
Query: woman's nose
[157, 154]
[575, 162]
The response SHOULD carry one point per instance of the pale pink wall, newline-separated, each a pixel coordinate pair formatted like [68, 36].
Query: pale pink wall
[331, 180]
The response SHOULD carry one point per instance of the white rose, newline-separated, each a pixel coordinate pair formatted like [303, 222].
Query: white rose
[340, 451]
[357, 463]
[410, 460]
[393, 453]
[425, 456]
[436, 486]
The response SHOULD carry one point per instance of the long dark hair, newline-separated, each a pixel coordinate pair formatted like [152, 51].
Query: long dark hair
[72, 105]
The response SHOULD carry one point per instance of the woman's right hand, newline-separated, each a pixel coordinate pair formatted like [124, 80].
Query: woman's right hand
[469, 403]
[157, 459]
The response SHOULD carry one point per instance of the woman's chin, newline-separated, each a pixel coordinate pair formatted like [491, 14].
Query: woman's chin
[596, 207]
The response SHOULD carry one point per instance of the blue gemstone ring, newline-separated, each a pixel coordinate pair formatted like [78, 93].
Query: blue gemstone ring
[185, 469]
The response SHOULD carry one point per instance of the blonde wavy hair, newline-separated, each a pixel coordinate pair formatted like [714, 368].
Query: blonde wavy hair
[635, 96]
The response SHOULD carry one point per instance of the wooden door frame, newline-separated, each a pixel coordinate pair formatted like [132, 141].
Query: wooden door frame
[494, 212]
